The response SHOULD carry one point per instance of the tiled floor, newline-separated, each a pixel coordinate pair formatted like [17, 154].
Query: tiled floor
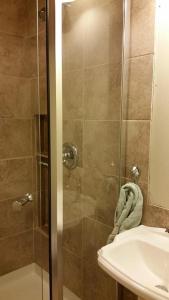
[26, 284]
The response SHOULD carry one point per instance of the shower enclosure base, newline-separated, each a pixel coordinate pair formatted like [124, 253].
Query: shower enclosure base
[26, 284]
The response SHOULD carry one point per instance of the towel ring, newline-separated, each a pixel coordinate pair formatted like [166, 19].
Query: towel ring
[135, 173]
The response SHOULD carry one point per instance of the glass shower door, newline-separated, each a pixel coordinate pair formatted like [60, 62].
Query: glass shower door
[92, 33]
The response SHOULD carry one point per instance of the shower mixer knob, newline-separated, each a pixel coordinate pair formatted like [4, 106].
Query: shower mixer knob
[70, 156]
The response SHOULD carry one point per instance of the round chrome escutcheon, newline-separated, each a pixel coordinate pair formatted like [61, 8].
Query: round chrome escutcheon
[70, 156]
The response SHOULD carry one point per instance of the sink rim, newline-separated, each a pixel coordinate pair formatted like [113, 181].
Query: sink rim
[135, 234]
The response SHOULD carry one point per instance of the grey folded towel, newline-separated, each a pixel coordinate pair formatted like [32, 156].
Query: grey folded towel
[129, 209]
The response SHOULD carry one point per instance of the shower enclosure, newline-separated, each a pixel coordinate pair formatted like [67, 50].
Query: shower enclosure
[63, 75]
[24, 200]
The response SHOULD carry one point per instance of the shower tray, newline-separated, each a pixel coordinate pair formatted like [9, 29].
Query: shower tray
[26, 283]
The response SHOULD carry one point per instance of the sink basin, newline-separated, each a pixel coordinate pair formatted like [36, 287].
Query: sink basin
[139, 260]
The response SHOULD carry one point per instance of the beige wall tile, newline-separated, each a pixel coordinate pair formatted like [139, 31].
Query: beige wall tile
[72, 179]
[73, 95]
[102, 287]
[73, 41]
[140, 88]
[72, 206]
[42, 53]
[11, 53]
[72, 237]
[20, 254]
[155, 216]
[13, 222]
[15, 138]
[101, 146]
[43, 94]
[126, 294]
[102, 92]
[10, 12]
[18, 55]
[41, 249]
[29, 57]
[137, 147]
[142, 27]
[103, 35]
[16, 178]
[15, 97]
[100, 194]
[95, 235]
[72, 272]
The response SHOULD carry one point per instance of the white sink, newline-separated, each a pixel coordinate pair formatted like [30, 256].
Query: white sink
[139, 260]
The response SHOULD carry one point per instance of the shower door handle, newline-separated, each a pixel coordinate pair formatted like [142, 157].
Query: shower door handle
[70, 156]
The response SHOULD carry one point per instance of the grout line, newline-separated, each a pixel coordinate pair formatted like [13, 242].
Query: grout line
[141, 55]
[16, 234]
[17, 118]
[18, 158]
[90, 120]
[147, 121]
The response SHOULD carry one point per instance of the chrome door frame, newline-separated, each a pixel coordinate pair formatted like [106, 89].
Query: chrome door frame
[54, 57]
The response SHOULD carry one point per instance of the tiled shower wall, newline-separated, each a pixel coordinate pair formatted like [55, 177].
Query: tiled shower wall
[92, 53]
[17, 98]
[137, 112]
[137, 109]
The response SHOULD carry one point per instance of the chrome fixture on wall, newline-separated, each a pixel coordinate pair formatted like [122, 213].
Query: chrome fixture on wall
[42, 14]
[70, 156]
[18, 204]
[135, 173]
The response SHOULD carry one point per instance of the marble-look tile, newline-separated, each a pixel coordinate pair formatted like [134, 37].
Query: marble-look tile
[101, 146]
[42, 53]
[142, 27]
[16, 252]
[15, 178]
[73, 95]
[72, 206]
[41, 249]
[11, 54]
[72, 237]
[29, 57]
[15, 98]
[13, 17]
[99, 196]
[103, 287]
[155, 216]
[43, 94]
[137, 147]
[73, 41]
[31, 17]
[14, 222]
[140, 88]
[18, 55]
[81, 6]
[95, 236]
[15, 138]
[102, 92]
[125, 294]
[103, 35]
[72, 272]
[72, 179]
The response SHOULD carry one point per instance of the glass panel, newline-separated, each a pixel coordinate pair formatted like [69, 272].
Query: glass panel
[92, 79]
[23, 152]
